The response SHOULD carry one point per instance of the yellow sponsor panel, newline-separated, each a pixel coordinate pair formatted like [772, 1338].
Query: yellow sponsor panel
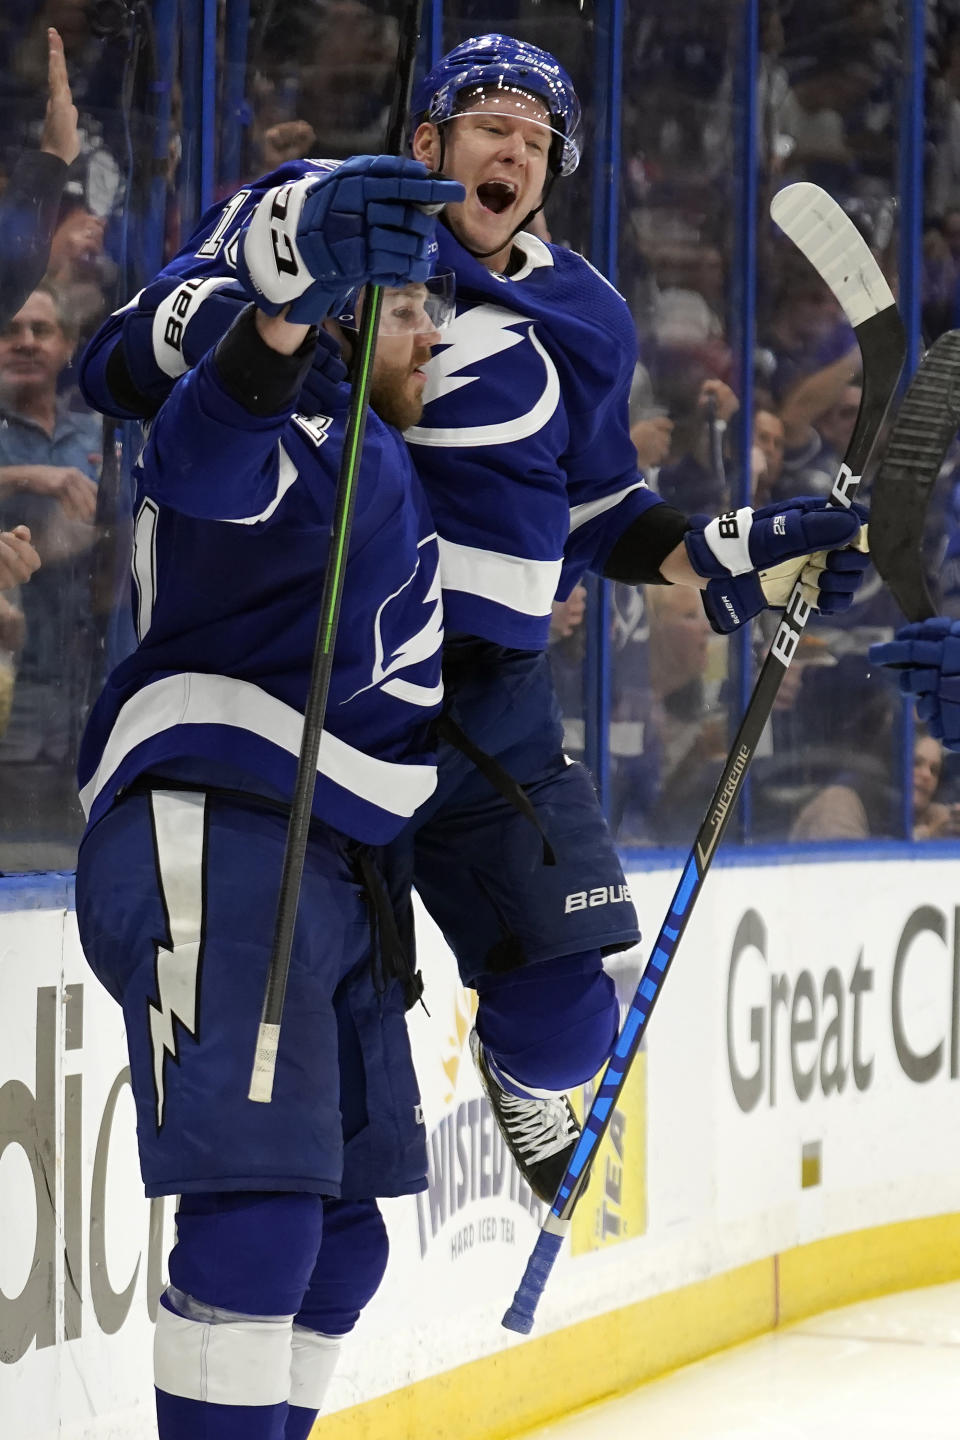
[492, 1398]
[614, 1207]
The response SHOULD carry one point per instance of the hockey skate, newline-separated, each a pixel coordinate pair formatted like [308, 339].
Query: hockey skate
[540, 1129]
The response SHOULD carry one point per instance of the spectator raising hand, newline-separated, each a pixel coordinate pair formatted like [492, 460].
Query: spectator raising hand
[718, 395]
[60, 122]
[567, 615]
[287, 140]
[651, 438]
[28, 209]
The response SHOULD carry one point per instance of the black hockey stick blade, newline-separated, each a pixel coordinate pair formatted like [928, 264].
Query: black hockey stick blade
[926, 425]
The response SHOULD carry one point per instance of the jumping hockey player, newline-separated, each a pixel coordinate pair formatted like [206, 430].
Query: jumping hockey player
[187, 767]
[527, 407]
[526, 459]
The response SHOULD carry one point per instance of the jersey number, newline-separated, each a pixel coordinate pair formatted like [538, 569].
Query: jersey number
[211, 246]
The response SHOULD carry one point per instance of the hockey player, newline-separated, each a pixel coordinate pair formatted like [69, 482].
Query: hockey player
[186, 770]
[526, 458]
[527, 407]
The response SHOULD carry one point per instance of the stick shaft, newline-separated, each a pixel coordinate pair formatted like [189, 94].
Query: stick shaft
[288, 901]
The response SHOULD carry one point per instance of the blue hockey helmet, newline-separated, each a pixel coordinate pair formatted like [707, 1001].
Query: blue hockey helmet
[498, 62]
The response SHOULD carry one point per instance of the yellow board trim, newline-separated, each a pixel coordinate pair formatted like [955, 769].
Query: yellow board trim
[525, 1386]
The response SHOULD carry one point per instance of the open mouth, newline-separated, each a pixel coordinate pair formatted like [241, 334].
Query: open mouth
[496, 195]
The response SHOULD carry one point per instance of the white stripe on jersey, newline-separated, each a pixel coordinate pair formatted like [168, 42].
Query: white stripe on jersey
[196, 699]
[581, 514]
[526, 586]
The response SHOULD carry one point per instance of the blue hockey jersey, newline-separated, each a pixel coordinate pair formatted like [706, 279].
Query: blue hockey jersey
[524, 447]
[232, 523]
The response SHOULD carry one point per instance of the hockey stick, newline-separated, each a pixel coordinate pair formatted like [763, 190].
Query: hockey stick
[301, 809]
[833, 245]
[926, 424]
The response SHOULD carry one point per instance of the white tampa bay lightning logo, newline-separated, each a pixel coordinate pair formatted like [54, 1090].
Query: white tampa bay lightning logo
[412, 650]
[179, 830]
[475, 336]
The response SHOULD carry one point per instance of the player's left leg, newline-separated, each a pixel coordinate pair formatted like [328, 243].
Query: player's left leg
[530, 938]
[384, 1147]
[348, 1272]
[540, 1032]
[175, 896]
[222, 1348]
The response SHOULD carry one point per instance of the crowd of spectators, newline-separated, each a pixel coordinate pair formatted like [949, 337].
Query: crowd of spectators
[98, 167]
[49, 457]
[829, 88]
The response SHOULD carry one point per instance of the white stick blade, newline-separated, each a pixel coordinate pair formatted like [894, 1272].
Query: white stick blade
[827, 236]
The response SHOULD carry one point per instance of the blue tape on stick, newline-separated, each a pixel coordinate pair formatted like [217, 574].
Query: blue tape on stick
[521, 1313]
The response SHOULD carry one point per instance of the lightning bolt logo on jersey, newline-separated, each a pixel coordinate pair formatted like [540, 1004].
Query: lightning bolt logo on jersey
[179, 833]
[410, 652]
[524, 448]
[478, 336]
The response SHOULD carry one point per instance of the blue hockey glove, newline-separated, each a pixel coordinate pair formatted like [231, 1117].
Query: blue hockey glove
[838, 575]
[753, 558]
[928, 657]
[310, 242]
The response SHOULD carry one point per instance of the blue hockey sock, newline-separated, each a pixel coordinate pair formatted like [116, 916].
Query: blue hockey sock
[348, 1272]
[223, 1344]
[550, 1025]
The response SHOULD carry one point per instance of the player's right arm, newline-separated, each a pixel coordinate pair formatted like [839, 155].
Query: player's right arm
[214, 451]
[136, 357]
[301, 239]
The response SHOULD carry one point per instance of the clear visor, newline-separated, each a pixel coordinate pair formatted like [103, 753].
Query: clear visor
[534, 118]
[514, 104]
[414, 310]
